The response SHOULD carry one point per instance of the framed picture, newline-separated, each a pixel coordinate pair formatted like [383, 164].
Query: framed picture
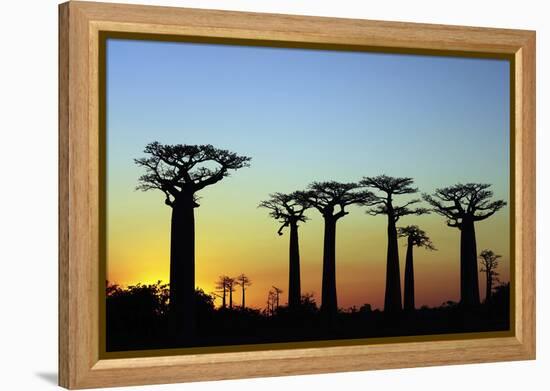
[296, 194]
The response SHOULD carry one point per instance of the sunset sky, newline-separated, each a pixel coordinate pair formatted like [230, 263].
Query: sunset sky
[302, 116]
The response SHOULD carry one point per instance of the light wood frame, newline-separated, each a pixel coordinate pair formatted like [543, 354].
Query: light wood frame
[80, 23]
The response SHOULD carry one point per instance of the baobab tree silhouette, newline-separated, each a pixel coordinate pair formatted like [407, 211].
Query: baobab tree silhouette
[463, 205]
[489, 262]
[383, 204]
[230, 287]
[276, 294]
[415, 238]
[270, 309]
[244, 282]
[222, 287]
[289, 210]
[180, 171]
[331, 199]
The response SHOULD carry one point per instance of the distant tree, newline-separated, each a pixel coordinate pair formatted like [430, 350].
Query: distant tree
[307, 303]
[384, 204]
[270, 308]
[365, 308]
[463, 205]
[415, 238]
[222, 288]
[230, 286]
[289, 210]
[277, 293]
[331, 199]
[180, 171]
[244, 282]
[489, 262]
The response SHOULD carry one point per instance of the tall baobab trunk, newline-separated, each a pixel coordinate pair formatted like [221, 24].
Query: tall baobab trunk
[231, 298]
[469, 285]
[224, 304]
[392, 299]
[182, 269]
[294, 290]
[409, 278]
[329, 304]
[242, 305]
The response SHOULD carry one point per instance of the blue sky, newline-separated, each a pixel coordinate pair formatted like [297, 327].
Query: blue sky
[313, 106]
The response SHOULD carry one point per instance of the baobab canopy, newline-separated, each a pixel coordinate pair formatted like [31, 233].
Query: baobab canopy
[181, 170]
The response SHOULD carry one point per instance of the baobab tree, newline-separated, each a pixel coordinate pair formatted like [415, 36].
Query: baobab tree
[276, 294]
[221, 287]
[384, 205]
[270, 309]
[464, 205]
[180, 172]
[289, 210]
[415, 238]
[489, 262]
[230, 286]
[244, 282]
[331, 199]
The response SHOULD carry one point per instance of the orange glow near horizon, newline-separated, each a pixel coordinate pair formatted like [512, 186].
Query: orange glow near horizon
[244, 240]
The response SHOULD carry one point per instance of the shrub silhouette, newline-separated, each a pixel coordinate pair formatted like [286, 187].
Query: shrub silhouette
[138, 314]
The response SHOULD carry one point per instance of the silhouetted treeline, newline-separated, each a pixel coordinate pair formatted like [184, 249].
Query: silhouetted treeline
[138, 318]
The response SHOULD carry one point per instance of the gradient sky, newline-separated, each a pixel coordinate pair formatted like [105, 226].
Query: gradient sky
[303, 116]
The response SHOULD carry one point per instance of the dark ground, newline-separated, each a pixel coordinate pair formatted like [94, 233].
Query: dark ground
[137, 320]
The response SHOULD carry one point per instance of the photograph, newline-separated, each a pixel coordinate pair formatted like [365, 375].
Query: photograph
[295, 196]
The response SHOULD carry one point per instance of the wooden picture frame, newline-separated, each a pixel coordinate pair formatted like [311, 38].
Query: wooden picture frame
[80, 167]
